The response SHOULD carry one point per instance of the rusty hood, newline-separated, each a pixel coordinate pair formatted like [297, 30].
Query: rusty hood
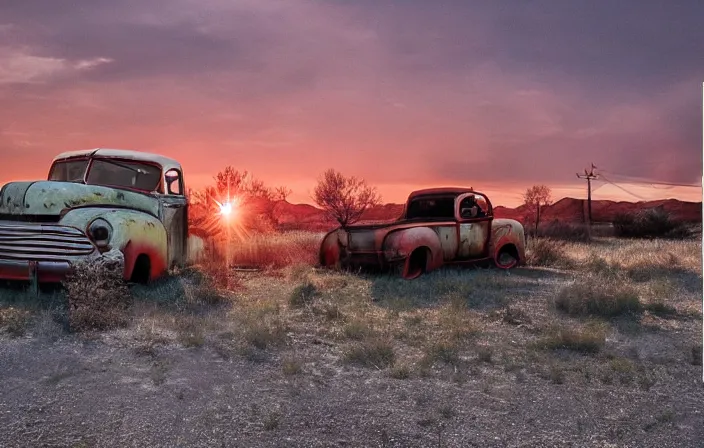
[53, 198]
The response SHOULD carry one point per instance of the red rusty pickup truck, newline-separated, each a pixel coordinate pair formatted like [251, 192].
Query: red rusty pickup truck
[438, 226]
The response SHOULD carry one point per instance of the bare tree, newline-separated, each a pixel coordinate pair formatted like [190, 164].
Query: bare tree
[282, 193]
[535, 198]
[344, 199]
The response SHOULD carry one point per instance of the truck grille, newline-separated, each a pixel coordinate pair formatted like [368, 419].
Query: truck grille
[42, 242]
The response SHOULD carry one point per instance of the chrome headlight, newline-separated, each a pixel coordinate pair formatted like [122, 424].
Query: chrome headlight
[100, 231]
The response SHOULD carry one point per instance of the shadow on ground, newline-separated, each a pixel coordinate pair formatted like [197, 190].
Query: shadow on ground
[477, 288]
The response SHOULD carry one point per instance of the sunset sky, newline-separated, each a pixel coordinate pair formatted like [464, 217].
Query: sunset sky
[498, 95]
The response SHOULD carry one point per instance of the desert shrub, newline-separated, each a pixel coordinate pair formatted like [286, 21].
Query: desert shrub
[590, 296]
[547, 252]
[372, 353]
[660, 308]
[401, 372]
[98, 296]
[443, 351]
[14, 320]
[651, 223]
[589, 339]
[262, 329]
[515, 316]
[357, 329]
[597, 265]
[207, 284]
[303, 294]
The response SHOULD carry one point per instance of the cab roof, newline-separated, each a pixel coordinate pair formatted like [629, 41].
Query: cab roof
[166, 162]
[455, 191]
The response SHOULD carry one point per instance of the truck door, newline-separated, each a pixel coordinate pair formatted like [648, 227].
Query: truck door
[474, 221]
[175, 217]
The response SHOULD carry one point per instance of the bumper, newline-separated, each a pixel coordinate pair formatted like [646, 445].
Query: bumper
[43, 271]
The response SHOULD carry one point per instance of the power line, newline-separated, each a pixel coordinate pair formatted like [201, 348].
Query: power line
[621, 188]
[648, 181]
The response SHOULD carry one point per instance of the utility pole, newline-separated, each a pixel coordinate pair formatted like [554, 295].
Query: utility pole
[589, 176]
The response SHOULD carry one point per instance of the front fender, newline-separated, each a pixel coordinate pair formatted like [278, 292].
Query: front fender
[134, 233]
[400, 244]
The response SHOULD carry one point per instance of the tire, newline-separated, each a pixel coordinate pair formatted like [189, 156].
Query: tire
[506, 258]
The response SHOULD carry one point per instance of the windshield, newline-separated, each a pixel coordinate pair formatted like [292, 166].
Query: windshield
[435, 207]
[141, 176]
[69, 171]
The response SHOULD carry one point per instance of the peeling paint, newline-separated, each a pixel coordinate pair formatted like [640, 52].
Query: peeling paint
[49, 197]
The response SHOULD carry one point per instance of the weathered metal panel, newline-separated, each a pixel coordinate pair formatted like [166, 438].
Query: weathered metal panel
[174, 220]
[364, 240]
[447, 235]
[473, 237]
[12, 197]
[51, 198]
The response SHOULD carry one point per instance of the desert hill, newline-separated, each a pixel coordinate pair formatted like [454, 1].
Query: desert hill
[305, 216]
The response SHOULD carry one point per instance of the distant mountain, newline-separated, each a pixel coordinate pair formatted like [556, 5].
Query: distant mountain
[304, 216]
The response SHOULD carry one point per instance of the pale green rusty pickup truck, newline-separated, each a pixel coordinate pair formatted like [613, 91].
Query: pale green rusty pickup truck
[94, 202]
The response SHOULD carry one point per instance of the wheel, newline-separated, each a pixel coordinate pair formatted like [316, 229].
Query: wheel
[506, 259]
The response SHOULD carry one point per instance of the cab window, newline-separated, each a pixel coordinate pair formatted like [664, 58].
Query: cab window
[474, 206]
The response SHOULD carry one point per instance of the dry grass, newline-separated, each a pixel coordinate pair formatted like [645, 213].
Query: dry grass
[274, 251]
[589, 295]
[548, 252]
[588, 339]
[372, 353]
[15, 321]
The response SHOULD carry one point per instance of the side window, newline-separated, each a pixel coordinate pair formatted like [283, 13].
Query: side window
[174, 184]
[474, 206]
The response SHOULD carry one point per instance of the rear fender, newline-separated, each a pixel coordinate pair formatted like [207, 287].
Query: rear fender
[505, 232]
[400, 244]
[332, 247]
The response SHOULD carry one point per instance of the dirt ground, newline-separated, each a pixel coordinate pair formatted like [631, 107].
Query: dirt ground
[166, 381]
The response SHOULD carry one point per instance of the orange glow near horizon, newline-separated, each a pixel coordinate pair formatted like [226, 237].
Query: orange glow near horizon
[508, 195]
